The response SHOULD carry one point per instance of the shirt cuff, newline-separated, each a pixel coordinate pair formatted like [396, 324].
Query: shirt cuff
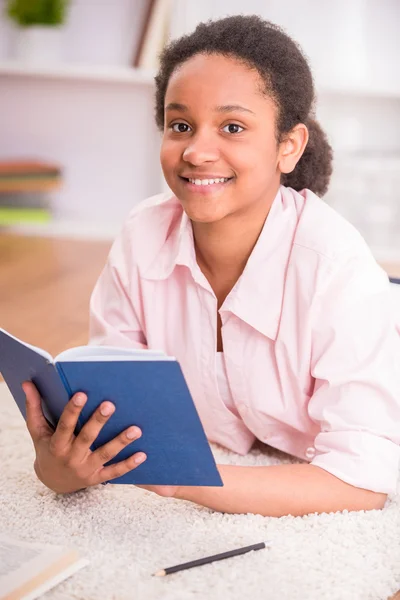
[359, 458]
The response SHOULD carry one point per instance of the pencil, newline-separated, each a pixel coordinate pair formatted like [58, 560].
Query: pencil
[209, 559]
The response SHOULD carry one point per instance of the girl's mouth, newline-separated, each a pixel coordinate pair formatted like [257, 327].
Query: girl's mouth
[205, 186]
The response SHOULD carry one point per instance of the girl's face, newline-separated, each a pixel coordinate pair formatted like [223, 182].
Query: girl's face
[218, 124]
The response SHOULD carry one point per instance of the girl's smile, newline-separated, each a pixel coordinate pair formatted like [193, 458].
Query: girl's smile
[205, 185]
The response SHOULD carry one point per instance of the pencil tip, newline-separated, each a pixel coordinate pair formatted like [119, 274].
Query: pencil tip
[159, 574]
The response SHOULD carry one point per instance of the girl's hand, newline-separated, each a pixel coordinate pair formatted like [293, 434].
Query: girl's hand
[64, 462]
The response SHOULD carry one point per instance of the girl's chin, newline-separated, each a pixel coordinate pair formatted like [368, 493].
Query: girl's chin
[201, 215]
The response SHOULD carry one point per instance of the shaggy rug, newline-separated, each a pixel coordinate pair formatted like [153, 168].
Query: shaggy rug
[129, 533]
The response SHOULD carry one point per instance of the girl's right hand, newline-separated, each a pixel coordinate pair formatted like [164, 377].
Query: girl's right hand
[64, 462]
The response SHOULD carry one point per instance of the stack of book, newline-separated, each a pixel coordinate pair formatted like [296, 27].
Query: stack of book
[25, 191]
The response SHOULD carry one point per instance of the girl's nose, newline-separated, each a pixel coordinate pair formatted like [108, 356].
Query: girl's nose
[200, 150]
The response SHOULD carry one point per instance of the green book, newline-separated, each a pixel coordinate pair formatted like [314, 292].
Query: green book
[16, 216]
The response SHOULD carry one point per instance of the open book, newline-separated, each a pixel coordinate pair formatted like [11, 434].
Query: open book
[28, 570]
[147, 388]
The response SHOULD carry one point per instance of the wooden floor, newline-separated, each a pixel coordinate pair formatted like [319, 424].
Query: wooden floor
[45, 286]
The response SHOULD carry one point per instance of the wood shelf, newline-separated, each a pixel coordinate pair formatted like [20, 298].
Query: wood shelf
[96, 73]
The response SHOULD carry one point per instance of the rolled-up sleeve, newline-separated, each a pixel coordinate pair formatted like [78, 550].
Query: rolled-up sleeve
[113, 318]
[356, 366]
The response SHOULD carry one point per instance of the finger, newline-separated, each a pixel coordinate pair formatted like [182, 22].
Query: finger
[118, 469]
[64, 433]
[90, 431]
[35, 420]
[109, 450]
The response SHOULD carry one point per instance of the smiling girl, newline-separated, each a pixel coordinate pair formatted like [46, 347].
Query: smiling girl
[272, 303]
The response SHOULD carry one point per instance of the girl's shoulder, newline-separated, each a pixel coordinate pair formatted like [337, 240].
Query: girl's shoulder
[322, 230]
[147, 228]
[327, 249]
[154, 209]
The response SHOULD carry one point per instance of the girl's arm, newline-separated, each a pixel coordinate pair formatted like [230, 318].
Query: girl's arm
[279, 490]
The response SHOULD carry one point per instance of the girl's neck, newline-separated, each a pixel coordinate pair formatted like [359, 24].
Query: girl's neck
[224, 247]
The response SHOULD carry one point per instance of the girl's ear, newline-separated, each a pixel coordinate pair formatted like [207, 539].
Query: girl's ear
[292, 147]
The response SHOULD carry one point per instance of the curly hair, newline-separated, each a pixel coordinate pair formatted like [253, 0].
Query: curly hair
[285, 74]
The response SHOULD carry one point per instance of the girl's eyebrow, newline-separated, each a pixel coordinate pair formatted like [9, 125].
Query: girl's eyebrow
[221, 109]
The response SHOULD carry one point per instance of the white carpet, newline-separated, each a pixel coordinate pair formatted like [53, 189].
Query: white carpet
[129, 533]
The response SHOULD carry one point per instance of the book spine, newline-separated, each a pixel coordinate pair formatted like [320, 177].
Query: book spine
[63, 379]
[70, 394]
[69, 391]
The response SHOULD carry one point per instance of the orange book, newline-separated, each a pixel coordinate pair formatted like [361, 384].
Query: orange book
[29, 175]
[17, 168]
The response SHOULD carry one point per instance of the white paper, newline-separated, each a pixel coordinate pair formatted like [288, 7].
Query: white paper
[108, 353]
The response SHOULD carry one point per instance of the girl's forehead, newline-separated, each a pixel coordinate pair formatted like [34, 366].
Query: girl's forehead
[209, 65]
[213, 75]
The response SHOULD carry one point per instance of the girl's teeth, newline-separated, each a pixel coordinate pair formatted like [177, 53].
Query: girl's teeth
[207, 181]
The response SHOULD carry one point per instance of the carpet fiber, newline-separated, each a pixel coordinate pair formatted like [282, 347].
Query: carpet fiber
[129, 533]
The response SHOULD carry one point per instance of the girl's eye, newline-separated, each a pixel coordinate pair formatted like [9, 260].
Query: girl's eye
[233, 125]
[180, 128]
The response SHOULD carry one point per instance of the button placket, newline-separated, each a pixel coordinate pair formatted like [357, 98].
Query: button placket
[207, 367]
[310, 452]
[234, 366]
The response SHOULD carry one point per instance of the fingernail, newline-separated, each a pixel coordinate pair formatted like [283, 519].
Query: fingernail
[132, 433]
[106, 409]
[79, 399]
[139, 458]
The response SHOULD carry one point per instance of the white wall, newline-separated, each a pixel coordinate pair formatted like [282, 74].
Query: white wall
[97, 31]
[347, 41]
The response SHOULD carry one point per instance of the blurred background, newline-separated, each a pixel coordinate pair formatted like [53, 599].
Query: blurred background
[79, 147]
[76, 94]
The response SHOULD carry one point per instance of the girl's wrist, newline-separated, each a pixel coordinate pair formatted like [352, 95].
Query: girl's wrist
[193, 493]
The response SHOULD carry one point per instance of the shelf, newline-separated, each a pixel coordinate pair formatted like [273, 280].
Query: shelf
[357, 91]
[96, 73]
[64, 228]
[121, 74]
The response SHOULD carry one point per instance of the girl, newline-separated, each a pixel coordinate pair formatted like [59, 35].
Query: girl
[272, 303]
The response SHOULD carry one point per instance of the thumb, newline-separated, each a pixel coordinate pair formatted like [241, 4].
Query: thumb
[35, 421]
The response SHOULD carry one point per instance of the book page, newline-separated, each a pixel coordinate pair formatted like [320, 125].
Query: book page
[108, 353]
[122, 358]
[27, 569]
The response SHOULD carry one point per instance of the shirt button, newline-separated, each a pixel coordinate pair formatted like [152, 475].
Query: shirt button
[310, 452]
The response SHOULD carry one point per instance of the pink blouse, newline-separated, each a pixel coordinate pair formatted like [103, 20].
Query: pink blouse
[311, 349]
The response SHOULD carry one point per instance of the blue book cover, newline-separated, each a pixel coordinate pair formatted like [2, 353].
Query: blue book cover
[147, 388]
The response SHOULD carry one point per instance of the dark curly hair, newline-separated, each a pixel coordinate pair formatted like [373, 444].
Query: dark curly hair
[263, 46]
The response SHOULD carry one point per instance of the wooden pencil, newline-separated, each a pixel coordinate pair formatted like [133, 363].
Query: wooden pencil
[208, 559]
